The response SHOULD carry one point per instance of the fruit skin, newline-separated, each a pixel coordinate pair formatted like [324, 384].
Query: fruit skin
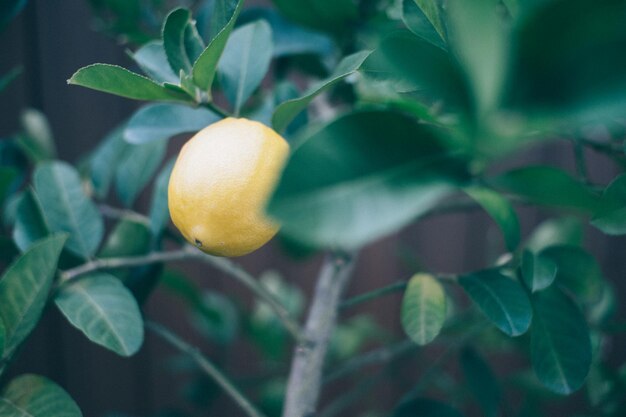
[221, 182]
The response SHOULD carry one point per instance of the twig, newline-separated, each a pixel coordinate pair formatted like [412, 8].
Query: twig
[216, 109]
[303, 387]
[206, 366]
[190, 252]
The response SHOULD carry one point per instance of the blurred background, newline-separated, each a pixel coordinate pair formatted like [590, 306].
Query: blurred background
[51, 39]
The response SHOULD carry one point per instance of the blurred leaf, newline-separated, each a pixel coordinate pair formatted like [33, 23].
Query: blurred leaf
[156, 122]
[501, 299]
[8, 78]
[287, 111]
[9, 9]
[288, 38]
[333, 16]
[423, 308]
[35, 396]
[352, 335]
[560, 344]
[481, 381]
[136, 169]
[66, 208]
[159, 210]
[30, 224]
[7, 176]
[179, 41]
[538, 271]
[24, 290]
[245, 61]
[116, 80]
[344, 187]
[425, 407]
[612, 220]
[224, 329]
[37, 140]
[2, 336]
[552, 232]
[130, 237]
[104, 310]
[501, 211]
[417, 21]
[548, 186]
[105, 159]
[223, 20]
[153, 62]
[577, 270]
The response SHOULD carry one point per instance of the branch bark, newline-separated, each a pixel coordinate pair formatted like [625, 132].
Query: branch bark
[305, 378]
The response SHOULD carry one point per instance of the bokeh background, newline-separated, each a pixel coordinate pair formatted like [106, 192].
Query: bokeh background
[53, 38]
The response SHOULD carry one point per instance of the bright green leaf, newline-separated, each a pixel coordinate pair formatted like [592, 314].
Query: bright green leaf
[153, 62]
[66, 207]
[344, 187]
[156, 122]
[245, 61]
[30, 224]
[122, 82]
[287, 111]
[538, 271]
[174, 29]
[501, 211]
[418, 22]
[105, 311]
[501, 299]
[481, 381]
[423, 308]
[35, 396]
[136, 169]
[24, 290]
[560, 343]
[159, 210]
[425, 407]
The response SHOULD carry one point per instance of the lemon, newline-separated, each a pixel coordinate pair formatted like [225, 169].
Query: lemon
[221, 182]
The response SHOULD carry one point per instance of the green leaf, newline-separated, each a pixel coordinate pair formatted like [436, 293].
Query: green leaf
[501, 299]
[559, 231]
[425, 407]
[501, 211]
[7, 79]
[122, 82]
[156, 122]
[130, 237]
[36, 139]
[224, 17]
[3, 333]
[159, 210]
[7, 176]
[174, 29]
[538, 271]
[418, 22]
[223, 330]
[66, 207]
[30, 224]
[288, 110]
[612, 219]
[24, 290]
[344, 187]
[577, 270]
[105, 311]
[105, 159]
[333, 16]
[560, 343]
[153, 62]
[137, 168]
[481, 381]
[548, 186]
[423, 308]
[35, 396]
[245, 61]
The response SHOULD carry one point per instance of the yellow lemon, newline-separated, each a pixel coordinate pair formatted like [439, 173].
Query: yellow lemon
[220, 185]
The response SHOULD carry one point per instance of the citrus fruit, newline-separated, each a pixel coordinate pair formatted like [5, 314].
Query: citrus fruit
[220, 184]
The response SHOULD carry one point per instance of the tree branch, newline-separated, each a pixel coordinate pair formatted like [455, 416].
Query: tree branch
[305, 379]
[206, 366]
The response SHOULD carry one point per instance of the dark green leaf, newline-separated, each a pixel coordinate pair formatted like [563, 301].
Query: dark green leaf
[8, 78]
[122, 82]
[36, 139]
[612, 219]
[136, 169]
[24, 290]
[418, 22]
[174, 29]
[425, 407]
[35, 396]
[333, 16]
[153, 62]
[288, 110]
[9, 9]
[130, 237]
[538, 271]
[245, 61]
[104, 310]
[156, 122]
[7, 176]
[159, 210]
[30, 224]
[105, 159]
[501, 299]
[423, 308]
[225, 328]
[344, 187]
[560, 231]
[66, 207]
[501, 211]
[548, 186]
[224, 17]
[481, 381]
[560, 343]
[577, 270]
